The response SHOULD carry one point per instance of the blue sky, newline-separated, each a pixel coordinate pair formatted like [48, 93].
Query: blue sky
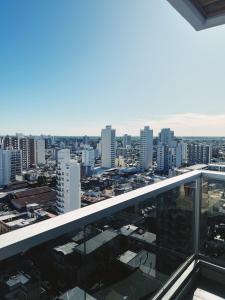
[70, 67]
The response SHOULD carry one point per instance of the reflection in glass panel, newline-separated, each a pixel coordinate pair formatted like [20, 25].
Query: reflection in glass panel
[212, 230]
[127, 255]
[139, 248]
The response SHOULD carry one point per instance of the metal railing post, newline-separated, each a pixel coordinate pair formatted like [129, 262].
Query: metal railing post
[197, 208]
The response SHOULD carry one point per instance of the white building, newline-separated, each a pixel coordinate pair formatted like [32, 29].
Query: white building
[40, 151]
[68, 182]
[160, 157]
[108, 145]
[169, 157]
[5, 167]
[146, 148]
[184, 152]
[88, 157]
[98, 149]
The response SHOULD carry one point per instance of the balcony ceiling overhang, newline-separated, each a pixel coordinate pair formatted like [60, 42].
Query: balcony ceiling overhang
[201, 14]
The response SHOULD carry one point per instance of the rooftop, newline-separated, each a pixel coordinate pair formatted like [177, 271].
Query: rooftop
[32, 192]
[128, 229]
[148, 237]
[75, 294]
[96, 242]
[144, 260]
[67, 248]
[20, 223]
[18, 279]
[39, 195]
[8, 216]
[135, 286]
[197, 167]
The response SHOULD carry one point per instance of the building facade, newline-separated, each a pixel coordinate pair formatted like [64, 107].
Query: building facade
[15, 164]
[68, 182]
[88, 160]
[170, 152]
[199, 154]
[108, 147]
[10, 165]
[40, 151]
[27, 146]
[5, 167]
[166, 136]
[146, 148]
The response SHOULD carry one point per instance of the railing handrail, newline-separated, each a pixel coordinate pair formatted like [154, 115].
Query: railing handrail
[216, 175]
[21, 240]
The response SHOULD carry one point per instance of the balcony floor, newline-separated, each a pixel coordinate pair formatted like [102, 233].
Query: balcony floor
[206, 283]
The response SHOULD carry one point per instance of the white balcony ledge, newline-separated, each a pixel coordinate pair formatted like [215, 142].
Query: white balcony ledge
[21, 240]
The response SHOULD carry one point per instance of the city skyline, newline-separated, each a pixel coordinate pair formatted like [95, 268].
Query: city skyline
[137, 64]
[112, 149]
[185, 125]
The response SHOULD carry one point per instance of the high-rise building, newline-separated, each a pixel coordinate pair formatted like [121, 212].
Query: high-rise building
[27, 146]
[108, 147]
[99, 149]
[166, 136]
[88, 160]
[5, 167]
[11, 142]
[161, 157]
[16, 163]
[199, 154]
[68, 182]
[126, 140]
[40, 151]
[48, 142]
[33, 151]
[146, 148]
[10, 165]
[184, 152]
[170, 151]
[168, 157]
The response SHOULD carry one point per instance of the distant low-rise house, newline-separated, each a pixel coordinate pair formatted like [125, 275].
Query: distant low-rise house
[14, 220]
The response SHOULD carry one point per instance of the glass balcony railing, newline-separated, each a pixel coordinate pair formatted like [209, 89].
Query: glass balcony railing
[212, 227]
[140, 245]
